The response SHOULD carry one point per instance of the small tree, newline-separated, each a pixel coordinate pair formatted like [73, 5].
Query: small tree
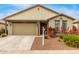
[51, 32]
[63, 30]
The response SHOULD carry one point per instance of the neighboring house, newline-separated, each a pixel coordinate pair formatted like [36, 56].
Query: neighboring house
[2, 25]
[30, 21]
[76, 23]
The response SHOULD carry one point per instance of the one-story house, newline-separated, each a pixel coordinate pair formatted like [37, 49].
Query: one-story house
[30, 21]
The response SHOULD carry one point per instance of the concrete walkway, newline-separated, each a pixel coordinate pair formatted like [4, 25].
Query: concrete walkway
[16, 42]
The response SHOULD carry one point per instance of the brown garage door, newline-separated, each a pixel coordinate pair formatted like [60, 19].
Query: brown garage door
[25, 29]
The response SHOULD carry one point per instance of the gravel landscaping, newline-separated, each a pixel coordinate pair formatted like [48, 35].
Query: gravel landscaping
[51, 44]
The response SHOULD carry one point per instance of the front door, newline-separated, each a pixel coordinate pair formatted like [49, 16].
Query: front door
[43, 24]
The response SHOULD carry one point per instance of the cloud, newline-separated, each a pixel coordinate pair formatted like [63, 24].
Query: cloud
[11, 9]
[2, 16]
[9, 12]
[73, 12]
[21, 5]
[14, 8]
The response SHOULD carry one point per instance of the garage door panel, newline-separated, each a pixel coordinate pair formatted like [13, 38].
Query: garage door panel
[25, 29]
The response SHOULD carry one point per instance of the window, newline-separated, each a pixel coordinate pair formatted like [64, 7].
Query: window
[64, 24]
[57, 24]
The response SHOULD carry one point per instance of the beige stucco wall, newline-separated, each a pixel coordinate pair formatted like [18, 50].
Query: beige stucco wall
[9, 27]
[76, 25]
[69, 22]
[2, 26]
[33, 14]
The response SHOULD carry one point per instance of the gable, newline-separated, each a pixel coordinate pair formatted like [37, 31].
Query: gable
[63, 16]
[37, 12]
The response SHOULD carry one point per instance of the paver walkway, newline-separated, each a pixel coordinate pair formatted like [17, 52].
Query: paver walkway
[51, 44]
[16, 43]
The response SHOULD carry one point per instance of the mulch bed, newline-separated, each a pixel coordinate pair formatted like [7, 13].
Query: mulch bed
[50, 44]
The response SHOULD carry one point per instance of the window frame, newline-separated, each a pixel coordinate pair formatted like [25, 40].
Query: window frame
[57, 24]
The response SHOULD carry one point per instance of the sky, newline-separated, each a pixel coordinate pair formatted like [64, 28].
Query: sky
[68, 9]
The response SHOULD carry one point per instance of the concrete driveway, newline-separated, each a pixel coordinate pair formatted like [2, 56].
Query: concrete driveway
[16, 42]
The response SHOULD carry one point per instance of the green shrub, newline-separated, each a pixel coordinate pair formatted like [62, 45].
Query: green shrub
[3, 35]
[71, 40]
[2, 30]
